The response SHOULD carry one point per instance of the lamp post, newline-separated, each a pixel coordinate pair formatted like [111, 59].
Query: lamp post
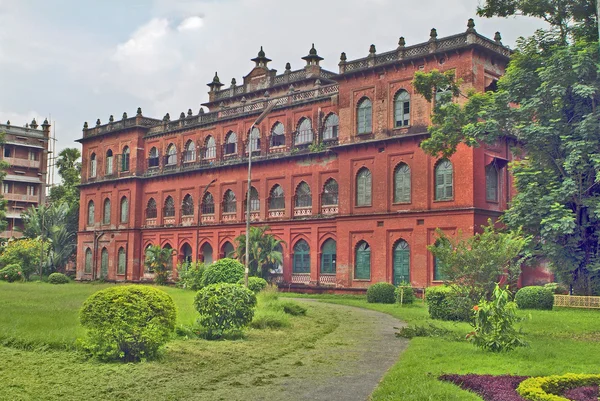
[262, 116]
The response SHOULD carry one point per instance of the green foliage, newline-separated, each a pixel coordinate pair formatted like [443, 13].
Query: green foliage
[224, 270]
[11, 273]
[127, 323]
[448, 303]
[534, 297]
[495, 323]
[69, 170]
[159, 260]
[58, 278]
[269, 319]
[316, 147]
[224, 307]
[24, 252]
[430, 330]
[293, 308]
[477, 262]
[190, 276]
[263, 255]
[381, 293]
[548, 388]
[405, 294]
[255, 284]
[557, 288]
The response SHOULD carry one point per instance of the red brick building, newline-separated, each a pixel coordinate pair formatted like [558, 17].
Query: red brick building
[337, 171]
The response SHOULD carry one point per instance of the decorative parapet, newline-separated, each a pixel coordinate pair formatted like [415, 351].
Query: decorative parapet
[119, 125]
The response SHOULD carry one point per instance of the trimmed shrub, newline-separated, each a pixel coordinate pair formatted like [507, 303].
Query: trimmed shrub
[224, 270]
[127, 323]
[405, 294]
[548, 388]
[557, 288]
[255, 284]
[269, 319]
[58, 278]
[190, 276]
[446, 303]
[12, 272]
[381, 293]
[534, 297]
[293, 308]
[224, 307]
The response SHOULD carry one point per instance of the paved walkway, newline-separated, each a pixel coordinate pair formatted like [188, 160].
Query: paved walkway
[350, 370]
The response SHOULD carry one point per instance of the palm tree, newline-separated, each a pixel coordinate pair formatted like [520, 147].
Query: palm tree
[263, 253]
[159, 261]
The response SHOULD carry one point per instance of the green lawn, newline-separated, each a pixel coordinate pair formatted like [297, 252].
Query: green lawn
[560, 341]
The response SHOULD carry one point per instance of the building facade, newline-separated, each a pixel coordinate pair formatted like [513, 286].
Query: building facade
[25, 150]
[337, 172]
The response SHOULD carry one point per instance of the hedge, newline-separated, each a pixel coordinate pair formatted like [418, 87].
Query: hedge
[547, 388]
[381, 293]
[535, 297]
[445, 303]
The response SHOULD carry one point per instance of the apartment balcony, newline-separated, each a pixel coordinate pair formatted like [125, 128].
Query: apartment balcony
[21, 198]
[18, 162]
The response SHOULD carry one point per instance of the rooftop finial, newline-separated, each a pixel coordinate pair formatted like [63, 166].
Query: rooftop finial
[498, 38]
[182, 115]
[233, 82]
[372, 49]
[190, 112]
[216, 84]
[288, 66]
[433, 34]
[343, 57]
[85, 125]
[313, 58]
[401, 42]
[8, 122]
[261, 52]
[111, 119]
[124, 115]
[98, 122]
[167, 118]
[33, 124]
[139, 111]
[312, 50]
[471, 25]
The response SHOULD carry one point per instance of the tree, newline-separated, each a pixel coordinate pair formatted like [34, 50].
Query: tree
[476, 263]
[159, 260]
[69, 170]
[263, 253]
[24, 252]
[546, 104]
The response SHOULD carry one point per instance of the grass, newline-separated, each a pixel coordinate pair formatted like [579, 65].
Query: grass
[560, 341]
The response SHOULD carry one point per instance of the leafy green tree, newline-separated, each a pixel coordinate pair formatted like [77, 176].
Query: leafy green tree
[69, 170]
[263, 253]
[24, 252]
[475, 263]
[547, 105]
[159, 260]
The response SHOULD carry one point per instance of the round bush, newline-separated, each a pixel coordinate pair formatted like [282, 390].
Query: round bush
[405, 294]
[534, 297]
[12, 272]
[224, 307]
[223, 271]
[127, 323]
[255, 284]
[381, 293]
[58, 278]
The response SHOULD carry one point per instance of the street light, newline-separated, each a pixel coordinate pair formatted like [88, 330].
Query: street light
[262, 116]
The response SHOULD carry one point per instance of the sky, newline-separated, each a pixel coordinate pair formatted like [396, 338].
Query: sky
[79, 60]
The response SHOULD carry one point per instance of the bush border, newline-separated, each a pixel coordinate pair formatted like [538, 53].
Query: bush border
[545, 388]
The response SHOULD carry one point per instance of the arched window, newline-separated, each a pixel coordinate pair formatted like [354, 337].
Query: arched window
[231, 143]
[93, 165]
[401, 262]
[106, 217]
[402, 109]
[255, 140]
[363, 261]
[124, 210]
[363, 187]
[277, 198]
[491, 183]
[189, 154]
[208, 204]
[301, 257]
[169, 210]
[438, 265]
[229, 202]
[186, 253]
[443, 180]
[330, 129]
[210, 148]
[151, 209]
[364, 118]
[228, 250]
[171, 155]
[303, 195]
[91, 213]
[207, 253]
[109, 162]
[278, 135]
[125, 159]
[122, 261]
[402, 183]
[254, 200]
[328, 256]
[87, 267]
[170, 260]
[187, 207]
[153, 158]
[304, 133]
[330, 193]
[104, 263]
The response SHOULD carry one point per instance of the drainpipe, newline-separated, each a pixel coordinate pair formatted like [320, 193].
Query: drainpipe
[95, 263]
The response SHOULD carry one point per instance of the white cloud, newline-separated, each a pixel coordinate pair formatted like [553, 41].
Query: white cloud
[190, 24]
